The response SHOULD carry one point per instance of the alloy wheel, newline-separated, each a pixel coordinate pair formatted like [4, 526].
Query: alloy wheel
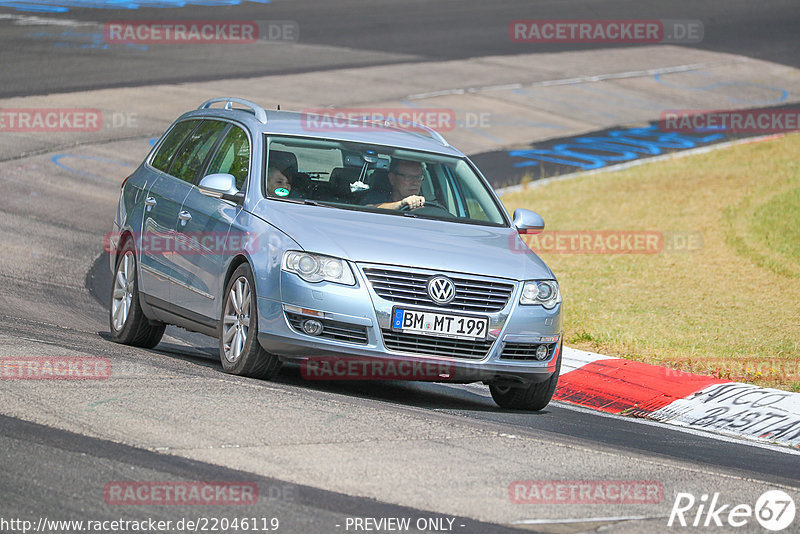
[123, 290]
[236, 319]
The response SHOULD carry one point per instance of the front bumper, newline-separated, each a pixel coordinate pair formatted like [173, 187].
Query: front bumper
[358, 323]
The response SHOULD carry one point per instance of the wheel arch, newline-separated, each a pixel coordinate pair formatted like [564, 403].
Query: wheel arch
[124, 237]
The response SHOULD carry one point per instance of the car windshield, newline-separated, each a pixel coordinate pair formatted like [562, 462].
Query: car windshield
[380, 179]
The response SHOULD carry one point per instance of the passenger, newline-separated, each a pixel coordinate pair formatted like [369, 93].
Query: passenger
[278, 185]
[405, 177]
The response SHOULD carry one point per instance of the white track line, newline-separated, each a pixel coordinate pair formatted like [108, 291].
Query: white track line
[585, 520]
[29, 20]
[483, 391]
[578, 79]
[686, 430]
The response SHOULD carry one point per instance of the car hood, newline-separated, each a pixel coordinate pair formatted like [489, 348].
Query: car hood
[396, 240]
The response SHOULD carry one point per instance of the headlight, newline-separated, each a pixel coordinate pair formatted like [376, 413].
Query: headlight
[316, 268]
[545, 293]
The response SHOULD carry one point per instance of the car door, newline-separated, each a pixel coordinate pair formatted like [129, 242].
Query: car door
[183, 173]
[162, 203]
[204, 230]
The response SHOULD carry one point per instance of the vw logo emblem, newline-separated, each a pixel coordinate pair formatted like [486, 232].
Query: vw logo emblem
[441, 289]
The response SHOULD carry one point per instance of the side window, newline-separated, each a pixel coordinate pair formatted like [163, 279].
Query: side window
[454, 193]
[475, 209]
[172, 143]
[233, 156]
[193, 153]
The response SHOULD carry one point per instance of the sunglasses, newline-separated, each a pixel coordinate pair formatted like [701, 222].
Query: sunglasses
[409, 177]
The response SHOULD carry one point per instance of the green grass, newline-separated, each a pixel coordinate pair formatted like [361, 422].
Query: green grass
[765, 229]
[730, 307]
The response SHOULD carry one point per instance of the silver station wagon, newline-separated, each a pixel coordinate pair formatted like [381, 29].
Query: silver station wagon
[363, 250]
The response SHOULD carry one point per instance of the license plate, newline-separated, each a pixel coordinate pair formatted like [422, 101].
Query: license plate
[439, 324]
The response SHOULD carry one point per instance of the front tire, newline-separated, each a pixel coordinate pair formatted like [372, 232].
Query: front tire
[127, 321]
[533, 397]
[239, 350]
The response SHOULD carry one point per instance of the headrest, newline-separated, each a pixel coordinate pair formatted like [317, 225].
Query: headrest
[283, 161]
[379, 180]
[342, 177]
[345, 174]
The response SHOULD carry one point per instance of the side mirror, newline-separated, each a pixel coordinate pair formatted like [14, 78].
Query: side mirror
[528, 222]
[220, 185]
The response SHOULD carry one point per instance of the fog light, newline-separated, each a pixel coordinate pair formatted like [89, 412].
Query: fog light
[541, 352]
[312, 327]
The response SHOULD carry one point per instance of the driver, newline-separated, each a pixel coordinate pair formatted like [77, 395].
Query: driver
[405, 177]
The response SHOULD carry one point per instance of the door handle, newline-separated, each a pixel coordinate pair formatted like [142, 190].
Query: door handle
[150, 202]
[185, 216]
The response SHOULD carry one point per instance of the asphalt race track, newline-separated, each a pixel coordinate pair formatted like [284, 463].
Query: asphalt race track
[324, 453]
[357, 35]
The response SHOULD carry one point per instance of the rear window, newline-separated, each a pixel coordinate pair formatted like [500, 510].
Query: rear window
[166, 152]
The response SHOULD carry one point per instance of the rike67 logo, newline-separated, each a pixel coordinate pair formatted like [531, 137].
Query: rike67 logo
[774, 510]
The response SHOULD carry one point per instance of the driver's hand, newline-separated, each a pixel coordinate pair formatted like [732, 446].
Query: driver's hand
[413, 202]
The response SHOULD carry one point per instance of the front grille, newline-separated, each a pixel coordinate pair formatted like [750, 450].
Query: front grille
[411, 288]
[349, 333]
[523, 352]
[436, 346]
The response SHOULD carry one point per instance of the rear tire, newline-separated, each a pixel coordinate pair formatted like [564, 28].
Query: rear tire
[126, 320]
[533, 397]
[239, 350]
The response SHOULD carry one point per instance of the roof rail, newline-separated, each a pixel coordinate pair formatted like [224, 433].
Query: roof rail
[388, 120]
[258, 111]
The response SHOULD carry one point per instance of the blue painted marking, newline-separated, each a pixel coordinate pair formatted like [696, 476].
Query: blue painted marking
[398, 318]
[595, 152]
[154, 140]
[63, 6]
[73, 39]
[58, 157]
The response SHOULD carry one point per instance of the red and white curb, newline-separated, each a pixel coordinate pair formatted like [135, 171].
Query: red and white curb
[626, 387]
